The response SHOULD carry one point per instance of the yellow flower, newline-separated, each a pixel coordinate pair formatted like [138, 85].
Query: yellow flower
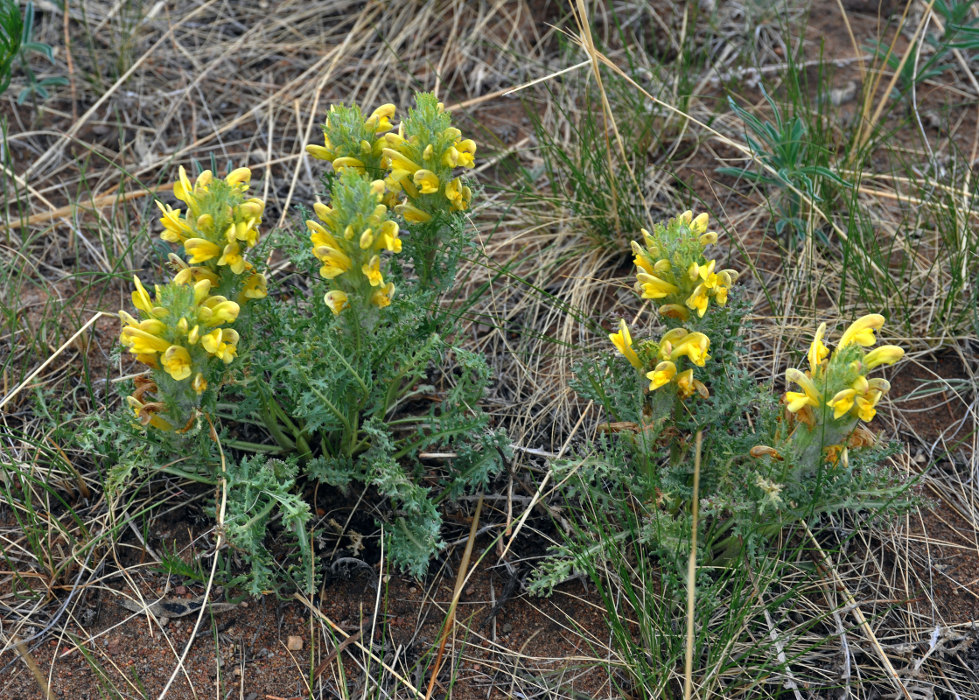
[653, 287]
[382, 296]
[255, 287]
[427, 182]
[387, 237]
[336, 300]
[334, 261]
[842, 402]
[201, 250]
[662, 375]
[674, 311]
[458, 194]
[217, 310]
[862, 330]
[685, 384]
[382, 118]
[199, 384]
[146, 413]
[239, 176]
[232, 258]
[401, 167]
[176, 361]
[412, 214]
[142, 342]
[884, 355]
[698, 300]
[640, 258]
[623, 343]
[699, 224]
[810, 395]
[141, 299]
[817, 351]
[221, 342]
[372, 271]
[694, 346]
[176, 230]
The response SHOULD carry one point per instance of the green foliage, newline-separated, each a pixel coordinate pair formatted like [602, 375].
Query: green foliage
[801, 168]
[16, 45]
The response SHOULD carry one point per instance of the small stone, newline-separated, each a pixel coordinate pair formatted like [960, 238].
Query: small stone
[180, 590]
[294, 643]
[412, 590]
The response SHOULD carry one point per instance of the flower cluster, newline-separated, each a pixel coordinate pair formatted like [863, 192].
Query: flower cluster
[350, 141]
[348, 239]
[672, 269]
[422, 157]
[676, 346]
[837, 382]
[216, 229]
[180, 329]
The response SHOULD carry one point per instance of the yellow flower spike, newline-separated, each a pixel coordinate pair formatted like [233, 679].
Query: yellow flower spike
[336, 301]
[662, 375]
[623, 343]
[176, 362]
[141, 299]
[382, 296]
[884, 355]
[221, 342]
[239, 176]
[232, 258]
[201, 250]
[412, 214]
[698, 300]
[861, 331]
[695, 346]
[653, 287]
[387, 237]
[319, 152]
[199, 384]
[842, 402]
[817, 351]
[382, 116]
[401, 167]
[366, 239]
[372, 271]
[699, 225]
[685, 384]
[810, 395]
[427, 182]
[674, 311]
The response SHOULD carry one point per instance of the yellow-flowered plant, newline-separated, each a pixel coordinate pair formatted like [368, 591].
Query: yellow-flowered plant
[673, 271]
[220, 223]
[835, 391]
[349, 238]
[422, 158]
[180, 331]
[351, 141]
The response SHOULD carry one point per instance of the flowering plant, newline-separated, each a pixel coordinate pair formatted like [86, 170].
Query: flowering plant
[349, 383]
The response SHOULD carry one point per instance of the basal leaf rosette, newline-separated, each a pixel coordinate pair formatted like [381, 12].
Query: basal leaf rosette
[181, 333]
[673, 270]
[351, 141]
[349, 237]
[835, 393]
[219, 224]
[663, 363]
[423, 157]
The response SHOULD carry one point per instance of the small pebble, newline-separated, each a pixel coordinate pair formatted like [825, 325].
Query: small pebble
[294, 643]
